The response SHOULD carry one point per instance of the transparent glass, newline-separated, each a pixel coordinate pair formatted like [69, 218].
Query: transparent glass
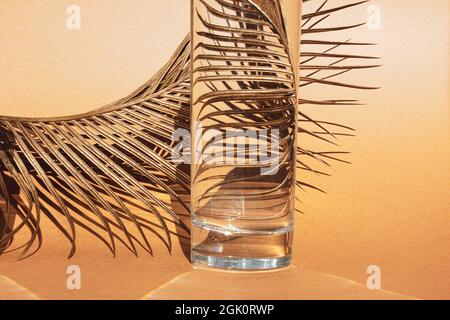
[244, 108]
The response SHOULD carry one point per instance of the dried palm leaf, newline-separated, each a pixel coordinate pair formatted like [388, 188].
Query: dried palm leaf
[95, 170]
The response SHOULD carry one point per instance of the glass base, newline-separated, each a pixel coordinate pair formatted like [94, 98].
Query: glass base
[242, 264]
[232, 248]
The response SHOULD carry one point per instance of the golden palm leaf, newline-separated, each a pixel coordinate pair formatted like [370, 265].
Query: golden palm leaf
[96, 169]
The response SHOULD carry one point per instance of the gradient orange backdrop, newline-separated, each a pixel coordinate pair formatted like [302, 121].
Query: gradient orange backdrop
[390, 208]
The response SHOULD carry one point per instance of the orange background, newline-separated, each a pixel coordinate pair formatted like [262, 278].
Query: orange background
[390, 208]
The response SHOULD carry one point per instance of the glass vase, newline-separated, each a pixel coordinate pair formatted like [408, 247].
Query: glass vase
[245, 56]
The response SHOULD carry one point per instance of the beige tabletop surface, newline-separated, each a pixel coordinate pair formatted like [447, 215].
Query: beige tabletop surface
[161, 276]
